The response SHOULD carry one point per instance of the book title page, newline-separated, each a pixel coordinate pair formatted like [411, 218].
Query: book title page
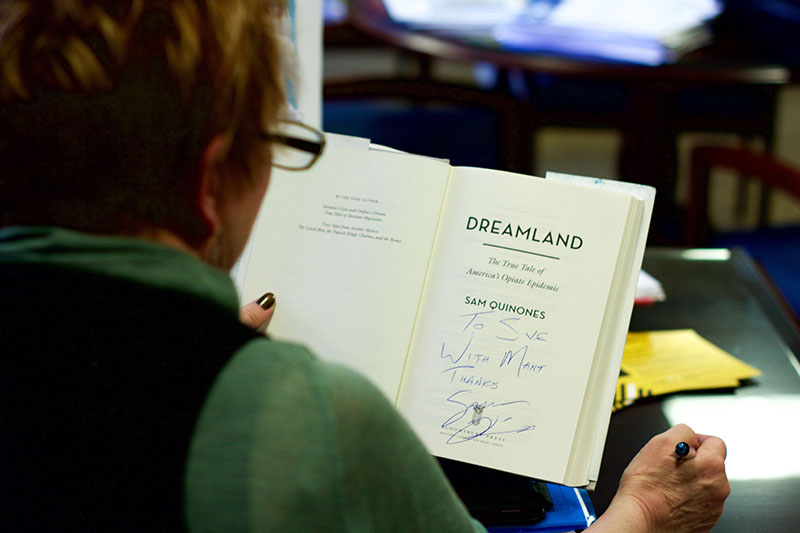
[512, 309]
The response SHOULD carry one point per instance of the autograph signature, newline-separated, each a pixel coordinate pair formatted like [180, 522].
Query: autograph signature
[480, 424]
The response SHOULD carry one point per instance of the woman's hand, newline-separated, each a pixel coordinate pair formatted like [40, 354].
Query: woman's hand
[258, 313]
[661, 492]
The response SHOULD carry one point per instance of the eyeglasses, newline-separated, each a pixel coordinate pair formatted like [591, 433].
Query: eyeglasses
[296, 146]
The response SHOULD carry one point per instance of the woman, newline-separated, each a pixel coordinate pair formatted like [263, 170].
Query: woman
[135, 145]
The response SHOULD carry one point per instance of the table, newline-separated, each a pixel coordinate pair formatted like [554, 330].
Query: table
[649, 105]
[726, 299]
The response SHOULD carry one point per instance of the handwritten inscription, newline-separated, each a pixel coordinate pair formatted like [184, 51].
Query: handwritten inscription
[481, 423]
[464, 359]
[490, 348]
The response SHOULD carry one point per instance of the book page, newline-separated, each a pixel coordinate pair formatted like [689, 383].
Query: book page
[599, 410]
[510, 318]
[345, 246]
[239, 270]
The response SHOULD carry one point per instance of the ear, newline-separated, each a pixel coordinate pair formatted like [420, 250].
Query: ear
[208, 193]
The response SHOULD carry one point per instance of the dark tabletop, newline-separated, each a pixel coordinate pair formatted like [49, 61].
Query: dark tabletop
[729, 302]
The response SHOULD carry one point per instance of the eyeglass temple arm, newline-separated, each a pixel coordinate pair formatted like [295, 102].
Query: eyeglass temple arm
[293, 142]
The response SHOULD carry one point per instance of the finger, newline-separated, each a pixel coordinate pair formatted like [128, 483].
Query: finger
[258, 313]
[682, 432]
[712, 445]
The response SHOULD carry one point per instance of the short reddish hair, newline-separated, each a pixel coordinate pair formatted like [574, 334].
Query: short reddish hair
[106, 106]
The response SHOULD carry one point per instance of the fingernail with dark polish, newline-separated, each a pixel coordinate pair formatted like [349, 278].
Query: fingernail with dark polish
[266, 301]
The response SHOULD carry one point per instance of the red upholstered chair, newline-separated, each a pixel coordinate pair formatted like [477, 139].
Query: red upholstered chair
[765, 168]
[776, 249]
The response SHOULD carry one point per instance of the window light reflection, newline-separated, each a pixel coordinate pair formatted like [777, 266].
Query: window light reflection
[760, 432]
[706, 254]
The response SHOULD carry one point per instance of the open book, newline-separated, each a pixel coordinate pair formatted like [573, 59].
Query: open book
[491, 308]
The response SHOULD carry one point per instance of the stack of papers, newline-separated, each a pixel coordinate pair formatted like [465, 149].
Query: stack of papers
[649, 33]
[664, 362]
[632, 31]
[454, 14]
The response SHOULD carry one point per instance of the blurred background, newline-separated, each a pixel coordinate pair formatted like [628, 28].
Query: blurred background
[608, 88]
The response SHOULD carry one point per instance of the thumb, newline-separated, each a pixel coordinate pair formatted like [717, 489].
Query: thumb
[258, 313]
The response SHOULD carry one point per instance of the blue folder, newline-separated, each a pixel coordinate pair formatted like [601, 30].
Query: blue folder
[572, 510]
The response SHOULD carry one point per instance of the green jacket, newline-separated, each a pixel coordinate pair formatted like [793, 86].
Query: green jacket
[132, 399]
